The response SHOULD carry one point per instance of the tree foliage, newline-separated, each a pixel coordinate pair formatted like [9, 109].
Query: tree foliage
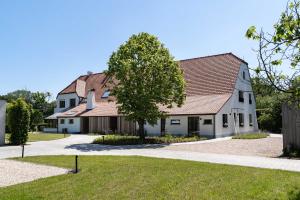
[38, 102]
[268, 104]
[279, 52]
[18, 121]
[145, 75]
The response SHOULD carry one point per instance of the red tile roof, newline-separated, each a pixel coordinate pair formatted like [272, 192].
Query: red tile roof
[93, 81]
[207, 75]
[200, 105]
[211, 74]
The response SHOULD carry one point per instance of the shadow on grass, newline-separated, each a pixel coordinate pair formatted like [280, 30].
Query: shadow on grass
[294, 194]
[98, 147]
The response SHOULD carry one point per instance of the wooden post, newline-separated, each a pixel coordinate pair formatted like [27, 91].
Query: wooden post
[76, 164]
[22, 150]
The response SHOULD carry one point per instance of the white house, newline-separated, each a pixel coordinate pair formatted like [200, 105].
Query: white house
[2, 121]
[219, 102]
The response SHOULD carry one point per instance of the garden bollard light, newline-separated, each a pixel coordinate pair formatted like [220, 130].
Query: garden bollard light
[103, 139]
[76, 164]
[22, 150]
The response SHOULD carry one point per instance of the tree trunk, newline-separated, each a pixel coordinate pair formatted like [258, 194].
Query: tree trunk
[141, 129]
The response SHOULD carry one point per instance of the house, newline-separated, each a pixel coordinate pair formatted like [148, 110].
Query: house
[2, 121]
[219, 102]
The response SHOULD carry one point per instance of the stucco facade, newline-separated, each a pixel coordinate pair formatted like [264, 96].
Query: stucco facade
[2, 121]
[66, 98]
[72, 125]
[233, 107]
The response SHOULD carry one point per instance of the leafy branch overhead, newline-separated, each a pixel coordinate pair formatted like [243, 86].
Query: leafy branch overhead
[146, 76]
[279, 52]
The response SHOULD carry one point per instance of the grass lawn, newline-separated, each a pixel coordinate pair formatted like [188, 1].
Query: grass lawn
[251, 136]
[134, 140]
[39, 136]
[116, 177]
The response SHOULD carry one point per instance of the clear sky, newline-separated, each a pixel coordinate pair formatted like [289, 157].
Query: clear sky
[44, 45]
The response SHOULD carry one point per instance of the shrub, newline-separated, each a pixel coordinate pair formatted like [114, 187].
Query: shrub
[18, 122]
[134, 140]
[251, 136]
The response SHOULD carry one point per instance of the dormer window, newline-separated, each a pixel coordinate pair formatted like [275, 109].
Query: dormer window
[72, 103]
[105, 94]
[62, 104]
[241, 96]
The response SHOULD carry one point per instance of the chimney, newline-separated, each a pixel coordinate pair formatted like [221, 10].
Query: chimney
[91, 101]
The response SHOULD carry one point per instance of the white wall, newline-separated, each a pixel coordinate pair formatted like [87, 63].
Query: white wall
[50, 130]
[72, 128]
[66, 98]
[182, 128]
[234, 106]
[2, 121]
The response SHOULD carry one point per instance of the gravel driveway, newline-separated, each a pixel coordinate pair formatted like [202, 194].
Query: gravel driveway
[14, 172]
[267, 147]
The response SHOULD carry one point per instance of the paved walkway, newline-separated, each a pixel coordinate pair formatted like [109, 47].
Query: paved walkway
[79, 144]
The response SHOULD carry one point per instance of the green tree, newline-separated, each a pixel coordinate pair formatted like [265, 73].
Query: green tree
[144, 76]
[280, 51]
[18, 121]
[36, 118]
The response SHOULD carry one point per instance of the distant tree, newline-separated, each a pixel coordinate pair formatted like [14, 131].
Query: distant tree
[13, 96]
[146, 76]
[36, 118]
[18, 121]
[280, 50]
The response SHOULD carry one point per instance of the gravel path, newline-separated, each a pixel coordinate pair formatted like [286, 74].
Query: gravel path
[14, 172]
[266, 147]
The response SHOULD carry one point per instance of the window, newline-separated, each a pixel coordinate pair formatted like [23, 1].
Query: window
[250, 120]
[62, 121]
[207, 121]
[175, 121]
[71, 121]
[241, 119]
[105, 94]
[225, 120]
[244, 75]
[62, 104]
[241, 96]
[72, 103]
[250, 99]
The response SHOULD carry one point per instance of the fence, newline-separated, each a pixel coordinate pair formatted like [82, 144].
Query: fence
[290, 127]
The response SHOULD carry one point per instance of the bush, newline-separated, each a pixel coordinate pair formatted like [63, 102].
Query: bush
[134, 140]
[291, 153]
[251, 136]
[18, 122]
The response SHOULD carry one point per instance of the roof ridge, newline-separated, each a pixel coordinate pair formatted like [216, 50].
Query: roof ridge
[214, 55]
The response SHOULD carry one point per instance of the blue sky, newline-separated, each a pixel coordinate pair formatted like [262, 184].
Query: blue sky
[44, 45]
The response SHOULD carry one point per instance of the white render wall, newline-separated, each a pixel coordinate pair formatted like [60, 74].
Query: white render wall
[182, 128]
[234, 106]
[2, 121]
[66, 98]
[72, 128]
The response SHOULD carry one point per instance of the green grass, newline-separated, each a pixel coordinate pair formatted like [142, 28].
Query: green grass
[115, 177]
[40, 136]
[133, 140]
[251, 136]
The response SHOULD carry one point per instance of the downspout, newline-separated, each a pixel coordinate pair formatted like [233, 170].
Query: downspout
[215, 126]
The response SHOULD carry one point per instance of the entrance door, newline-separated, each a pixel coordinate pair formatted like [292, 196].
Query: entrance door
[85, 125]
[193, 126]
[113, 124]
[162, 126]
